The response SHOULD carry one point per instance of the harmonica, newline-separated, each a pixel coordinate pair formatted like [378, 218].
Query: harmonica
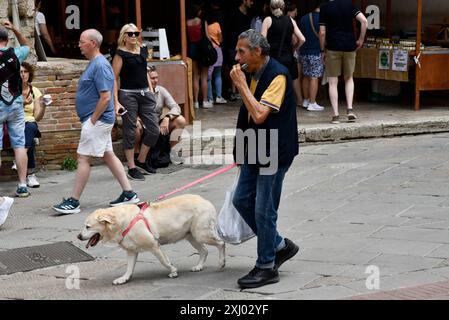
[244, 66]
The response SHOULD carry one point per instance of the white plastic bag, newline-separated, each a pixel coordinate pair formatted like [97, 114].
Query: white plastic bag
[230, 226]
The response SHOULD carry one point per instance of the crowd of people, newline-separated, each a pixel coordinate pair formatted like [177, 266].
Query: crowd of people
[265, 66]
[275, 20]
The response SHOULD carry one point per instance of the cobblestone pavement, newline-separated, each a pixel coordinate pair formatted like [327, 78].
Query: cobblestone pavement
[379, 203]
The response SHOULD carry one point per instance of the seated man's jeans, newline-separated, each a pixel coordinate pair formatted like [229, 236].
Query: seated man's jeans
[257, 198]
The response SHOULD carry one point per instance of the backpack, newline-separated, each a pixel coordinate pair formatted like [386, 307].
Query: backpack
[160, 153]
[208, 54]
[10, 80]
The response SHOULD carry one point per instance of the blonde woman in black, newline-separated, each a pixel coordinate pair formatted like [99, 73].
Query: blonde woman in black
[134, 98]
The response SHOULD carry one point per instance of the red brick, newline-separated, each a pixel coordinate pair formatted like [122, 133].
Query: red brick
[72, 88]
[65, 126]
[55, 90]
[67, 76]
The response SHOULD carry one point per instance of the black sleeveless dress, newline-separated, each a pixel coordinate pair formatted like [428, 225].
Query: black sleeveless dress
[280, 50]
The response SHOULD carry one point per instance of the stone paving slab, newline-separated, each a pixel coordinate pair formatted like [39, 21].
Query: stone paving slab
[320, 293]
[336, 256]
[404, 247]
[410, 233]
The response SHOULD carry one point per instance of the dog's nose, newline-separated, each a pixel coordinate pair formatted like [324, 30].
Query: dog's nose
[80, 237]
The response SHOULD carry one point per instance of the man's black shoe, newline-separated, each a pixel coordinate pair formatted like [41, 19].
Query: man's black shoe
[285, 253]
[144, 167]
[258, 278]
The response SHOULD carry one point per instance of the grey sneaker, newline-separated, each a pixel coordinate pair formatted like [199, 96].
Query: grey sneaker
[175, 159]
[68, 206]
[315, 107]
[207, 105]
[220, 100]
[144, 167]
[135, 174]
[335, 119]
[127, 197]
[305, 103]
[22, 192]
[32, 181]
[351, 116]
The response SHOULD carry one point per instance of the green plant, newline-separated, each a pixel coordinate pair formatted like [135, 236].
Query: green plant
[69, 163]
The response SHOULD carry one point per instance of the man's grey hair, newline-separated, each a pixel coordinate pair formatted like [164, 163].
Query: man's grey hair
[95, 35]
[4, 34]
[256, 40]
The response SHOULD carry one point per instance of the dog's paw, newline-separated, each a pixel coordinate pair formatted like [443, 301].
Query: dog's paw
[121, 280]
[221, 266]
[197, 268]
[173, 274]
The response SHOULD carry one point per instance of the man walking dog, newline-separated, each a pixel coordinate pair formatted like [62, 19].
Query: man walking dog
[268, 106]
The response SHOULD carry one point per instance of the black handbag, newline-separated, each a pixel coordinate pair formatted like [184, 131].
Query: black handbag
[208, 54]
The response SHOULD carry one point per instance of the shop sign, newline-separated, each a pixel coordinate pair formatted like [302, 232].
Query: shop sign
[384, 59]
[400, 60]
[373, 17]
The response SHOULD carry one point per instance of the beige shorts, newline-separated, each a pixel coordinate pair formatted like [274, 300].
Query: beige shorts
[335, 60]
[95, 139]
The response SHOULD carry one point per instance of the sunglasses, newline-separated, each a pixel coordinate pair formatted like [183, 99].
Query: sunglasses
[135, 33]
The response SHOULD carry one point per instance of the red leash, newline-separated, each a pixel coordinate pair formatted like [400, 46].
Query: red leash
[216, 173]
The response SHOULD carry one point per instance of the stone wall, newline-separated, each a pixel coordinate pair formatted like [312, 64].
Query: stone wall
[26, 15]
[60, 126]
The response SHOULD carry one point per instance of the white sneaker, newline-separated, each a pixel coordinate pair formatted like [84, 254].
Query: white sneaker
[175, 159]
[314, 107]
[207, 105]
[4, 209]
[220, 100]
[32, 181]
[305, 103]
[14, 166]
[196, 105]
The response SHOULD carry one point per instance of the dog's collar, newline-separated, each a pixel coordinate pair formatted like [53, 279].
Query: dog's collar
[143, 206]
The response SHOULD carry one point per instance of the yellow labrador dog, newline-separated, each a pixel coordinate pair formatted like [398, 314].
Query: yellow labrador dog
[189, 217]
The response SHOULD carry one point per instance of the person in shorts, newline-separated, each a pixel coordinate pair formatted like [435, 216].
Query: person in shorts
[337, 37]
[95, 108]
[11, 101]
[311, 58]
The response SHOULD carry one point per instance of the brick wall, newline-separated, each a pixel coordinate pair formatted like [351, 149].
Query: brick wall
[60, 126]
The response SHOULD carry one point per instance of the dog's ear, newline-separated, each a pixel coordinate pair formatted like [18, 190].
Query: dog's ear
[106, 219]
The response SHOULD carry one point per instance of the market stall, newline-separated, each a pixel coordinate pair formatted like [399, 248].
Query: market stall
[432, 65]
[406, 60]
